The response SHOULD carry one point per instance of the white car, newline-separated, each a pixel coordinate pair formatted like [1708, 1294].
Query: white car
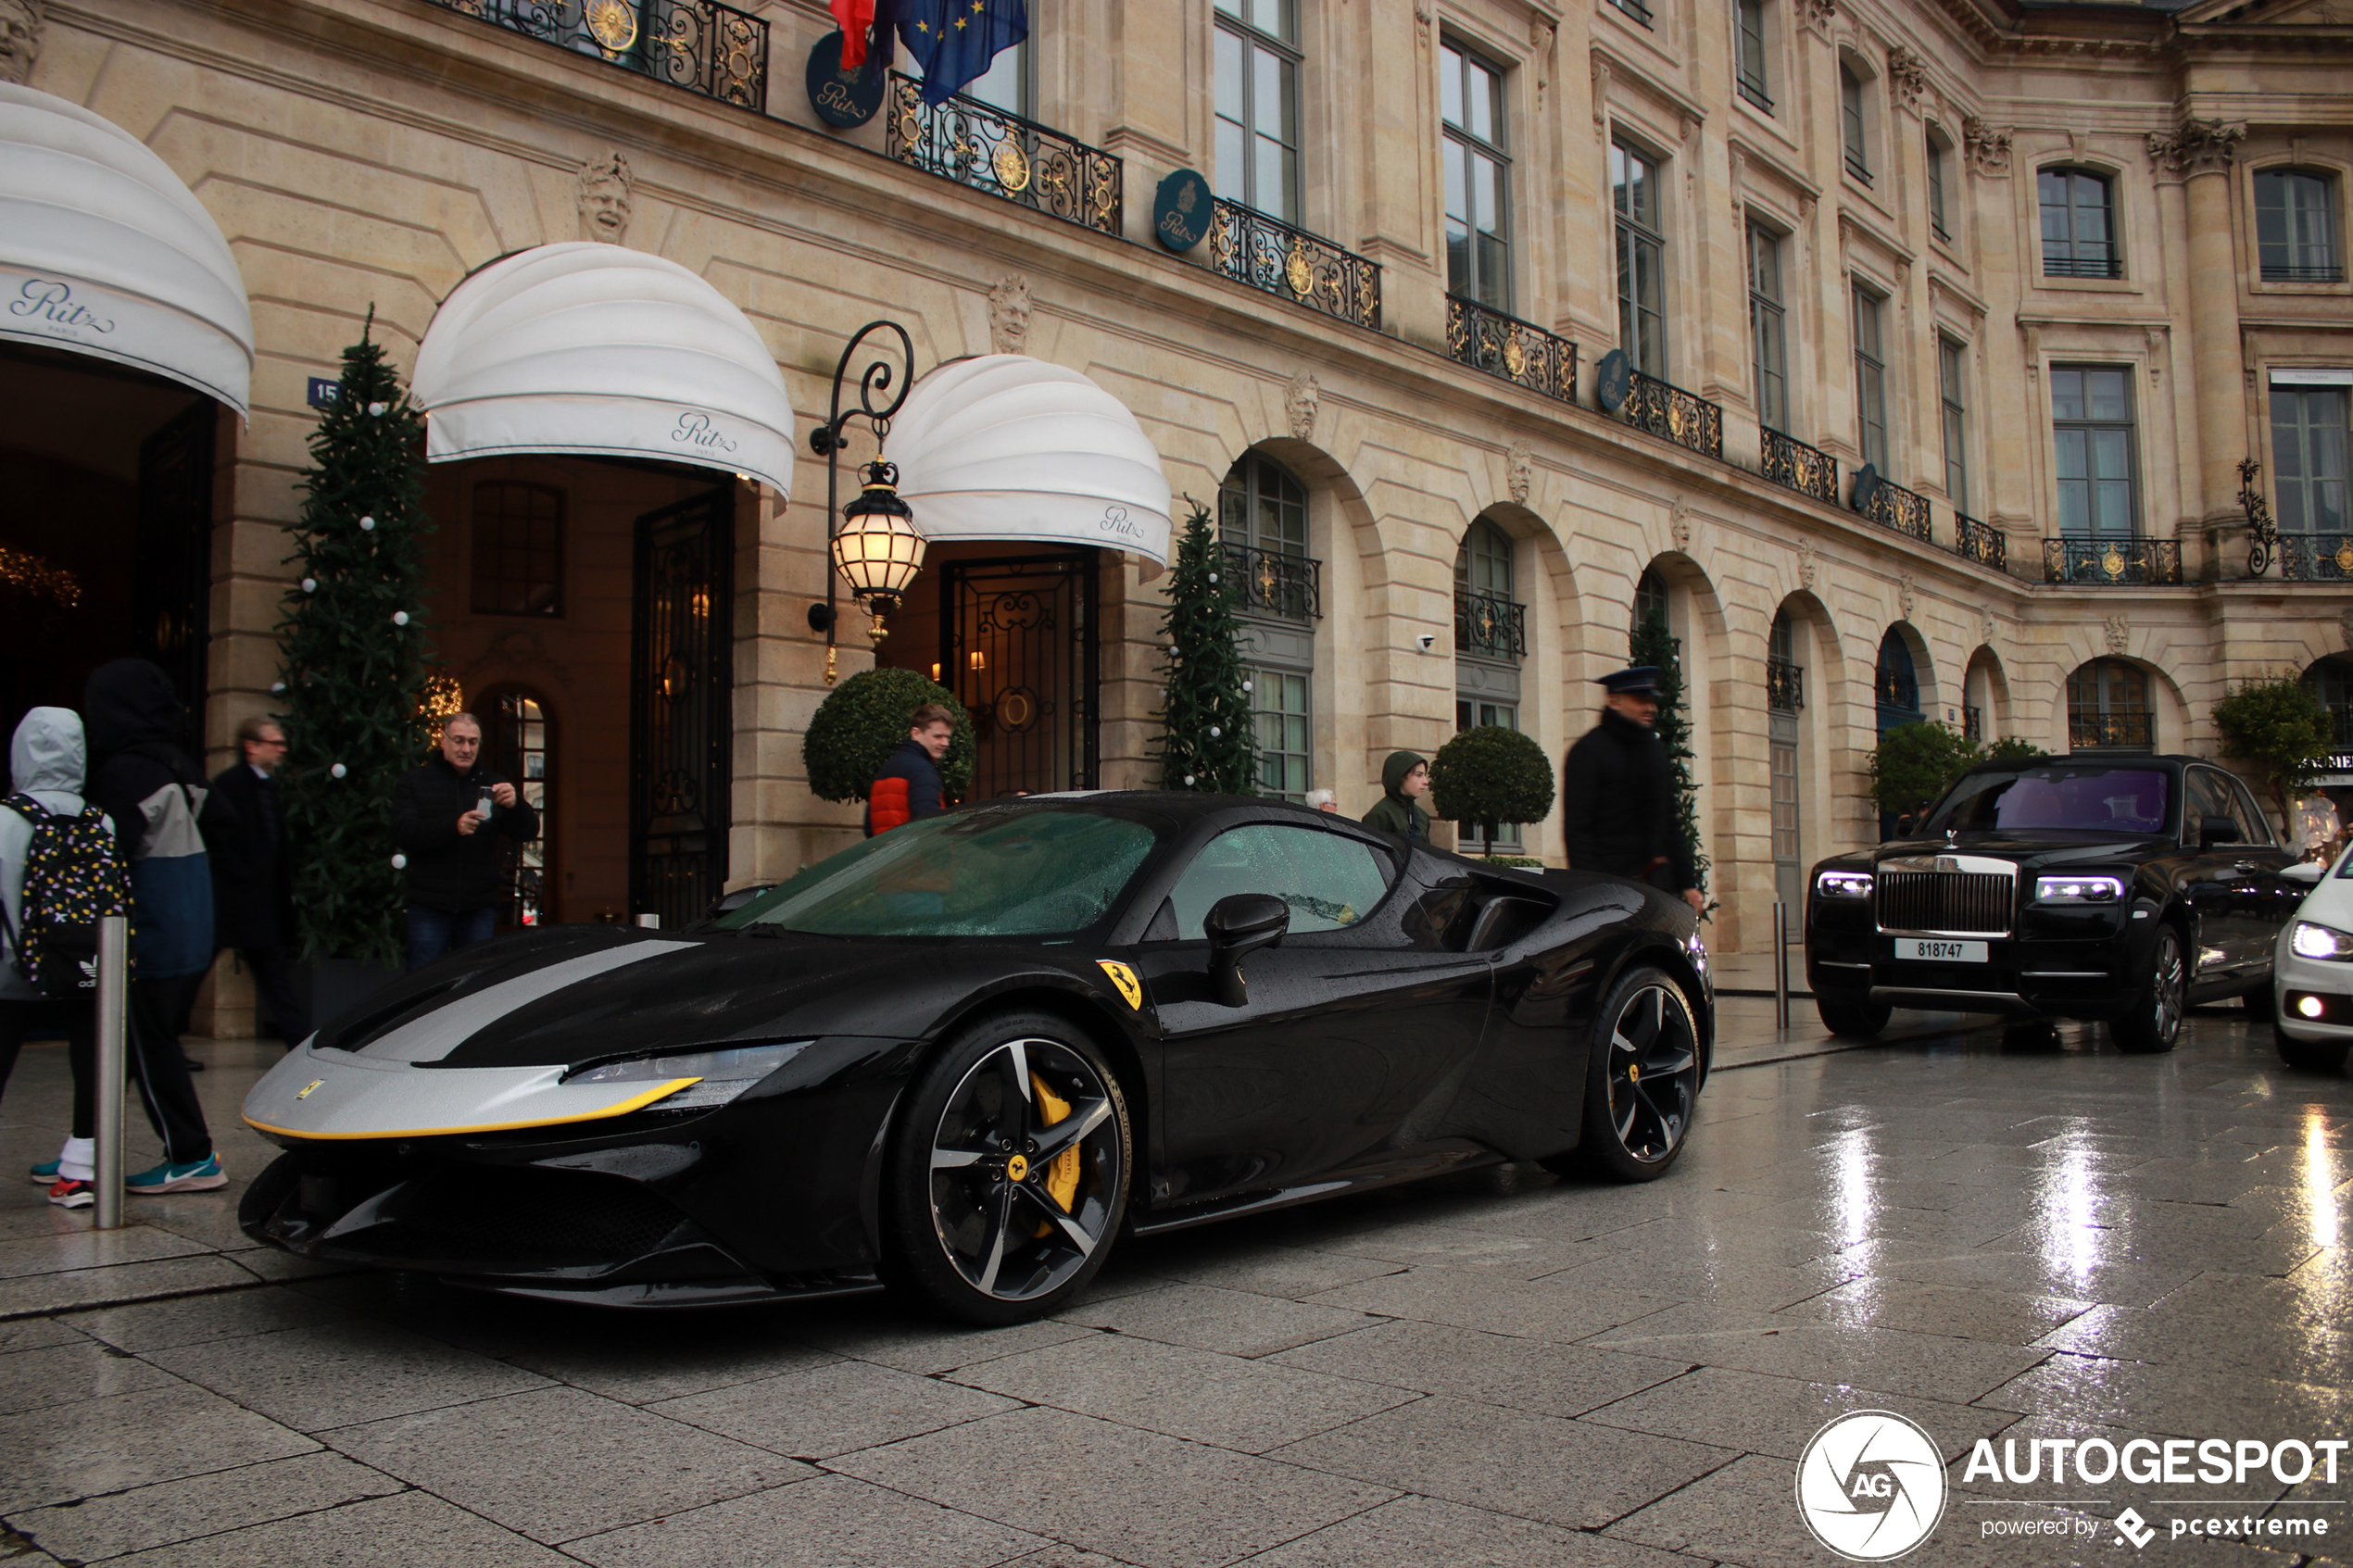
[2312, 970]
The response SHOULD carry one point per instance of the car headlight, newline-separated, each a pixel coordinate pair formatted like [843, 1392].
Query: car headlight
[2079, 889]
[1842, 884]
[720, 1075]
[2311, 940]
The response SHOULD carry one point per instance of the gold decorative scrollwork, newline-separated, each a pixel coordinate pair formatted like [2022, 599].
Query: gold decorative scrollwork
[1012, 168]
[613, 23]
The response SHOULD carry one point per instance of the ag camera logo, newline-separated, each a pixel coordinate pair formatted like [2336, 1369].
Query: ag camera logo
[1870, 1486]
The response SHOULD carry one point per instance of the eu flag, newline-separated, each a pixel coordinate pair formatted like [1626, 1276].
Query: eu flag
[954, 40]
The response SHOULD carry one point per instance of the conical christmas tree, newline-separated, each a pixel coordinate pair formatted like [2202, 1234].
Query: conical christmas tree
[354, 661]
[1653, 644]
[1207, 741]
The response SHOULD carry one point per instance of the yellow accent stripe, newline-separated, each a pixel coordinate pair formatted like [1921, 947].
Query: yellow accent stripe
[634, 1102]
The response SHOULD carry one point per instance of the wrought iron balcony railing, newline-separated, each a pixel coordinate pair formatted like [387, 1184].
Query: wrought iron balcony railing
[1667, 410]
[1268, 254]
[2076, 558]
[1016, 159]
[1979, 542]
[1973, 723]
[2111, 731]
[1806, 470]
[1489, 626]
[1284, 587]
[1903, 511]
[1784, 685]
[2316, 557]
[1508, 348]
[697, 44]
[2094, 265]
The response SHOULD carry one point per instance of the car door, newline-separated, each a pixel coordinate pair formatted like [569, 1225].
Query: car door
[1354, 1022]
[2265, 898]
[2210, 878]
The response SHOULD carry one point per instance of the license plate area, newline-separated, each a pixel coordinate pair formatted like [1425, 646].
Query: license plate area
[1939, 949]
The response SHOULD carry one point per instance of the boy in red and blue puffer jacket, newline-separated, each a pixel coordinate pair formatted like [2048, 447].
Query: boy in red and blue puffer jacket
[908, 787]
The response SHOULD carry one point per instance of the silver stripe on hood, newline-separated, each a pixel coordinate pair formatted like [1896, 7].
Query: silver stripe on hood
[446, 1027]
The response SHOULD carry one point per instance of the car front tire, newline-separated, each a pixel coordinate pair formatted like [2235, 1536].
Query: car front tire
[2310, 1055]
[1008, 1172]
[1852, 1016]
[2154, 1022]
[1641, 1081]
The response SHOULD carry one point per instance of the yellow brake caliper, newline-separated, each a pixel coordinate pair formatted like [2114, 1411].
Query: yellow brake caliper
[1062, 1176]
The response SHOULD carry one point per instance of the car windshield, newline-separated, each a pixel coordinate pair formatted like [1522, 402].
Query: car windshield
[2061, 798]
[1024, 872]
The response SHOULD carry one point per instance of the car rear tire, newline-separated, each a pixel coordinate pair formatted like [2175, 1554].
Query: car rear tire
[1008, 1172]
[2153, 1023]
[1641, 1081]
[1853, 1016]
[2310, 1055]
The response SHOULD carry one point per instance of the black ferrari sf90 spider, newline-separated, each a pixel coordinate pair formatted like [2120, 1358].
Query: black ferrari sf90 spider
[959, 1058]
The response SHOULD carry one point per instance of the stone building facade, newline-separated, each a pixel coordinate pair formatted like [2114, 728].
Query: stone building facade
[2017, 258]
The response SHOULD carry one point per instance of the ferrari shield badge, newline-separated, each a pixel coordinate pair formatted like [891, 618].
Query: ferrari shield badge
[1124, 978]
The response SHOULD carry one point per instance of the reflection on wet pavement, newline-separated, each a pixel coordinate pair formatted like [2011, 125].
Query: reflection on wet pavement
[2010, 1240]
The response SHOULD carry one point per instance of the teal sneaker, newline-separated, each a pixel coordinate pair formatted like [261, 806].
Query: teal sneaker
[202, 1176]
[45, 1175]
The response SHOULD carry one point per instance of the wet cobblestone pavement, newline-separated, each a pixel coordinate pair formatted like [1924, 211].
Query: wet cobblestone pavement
[2005, 1241]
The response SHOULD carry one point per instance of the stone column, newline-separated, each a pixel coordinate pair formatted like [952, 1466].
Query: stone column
[2199, 152]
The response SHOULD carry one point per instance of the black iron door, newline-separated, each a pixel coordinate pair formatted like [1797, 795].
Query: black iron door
[1018, 647]
[681, 651]
[173, 583]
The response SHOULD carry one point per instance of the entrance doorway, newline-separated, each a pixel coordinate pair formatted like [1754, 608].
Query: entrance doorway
[105, 521]
[681, 683]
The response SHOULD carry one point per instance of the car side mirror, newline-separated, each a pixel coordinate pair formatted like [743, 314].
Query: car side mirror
[2216, 830]
[1238, 926]
[2309, 873]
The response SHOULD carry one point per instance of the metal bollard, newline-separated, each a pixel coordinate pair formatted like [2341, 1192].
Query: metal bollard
[1780, 965]
[114, 995]
[650, 922]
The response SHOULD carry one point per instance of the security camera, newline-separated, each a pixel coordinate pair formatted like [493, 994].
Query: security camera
[1428, 641]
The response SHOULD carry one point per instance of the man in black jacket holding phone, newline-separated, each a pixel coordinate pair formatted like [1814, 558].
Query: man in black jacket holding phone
[446, 819]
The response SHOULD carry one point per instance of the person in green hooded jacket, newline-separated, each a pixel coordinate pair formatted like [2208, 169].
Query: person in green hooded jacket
[1405, 779]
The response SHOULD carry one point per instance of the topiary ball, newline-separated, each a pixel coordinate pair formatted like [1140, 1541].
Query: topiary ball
[1492, 774]
[859, 726]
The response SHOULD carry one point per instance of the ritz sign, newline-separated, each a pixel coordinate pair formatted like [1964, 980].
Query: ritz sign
[51, 303]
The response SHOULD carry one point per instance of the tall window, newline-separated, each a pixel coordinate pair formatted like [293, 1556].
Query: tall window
[2092, 426]
[1262, 505]
[518, 741]
[1258, 104]
[1870, 379]
[1650, 599]
[2309, 441]
[1483, 565]
[518, 550]
[1784, 685]
[1850, 119]
[1280, 721]
[2295, 227]
[1950, 362]
[1897, 681]
[1642, 259]
[1478, 244]
[2078, 224]
[1940, 159]
[1004, 85]
[1768, 347]
[2108, 705]
[1755, 84]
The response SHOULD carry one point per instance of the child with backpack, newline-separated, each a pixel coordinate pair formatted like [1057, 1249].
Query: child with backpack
[59, 871]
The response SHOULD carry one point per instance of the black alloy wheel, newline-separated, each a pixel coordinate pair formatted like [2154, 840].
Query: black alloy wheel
[2308, 1056]
[1852, 1015]
[2153, 1023]
[1009, 1172]
[1642, 1079]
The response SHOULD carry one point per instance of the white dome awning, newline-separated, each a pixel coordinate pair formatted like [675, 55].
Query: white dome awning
[1004, 447]
[104, 251]
[588, 348]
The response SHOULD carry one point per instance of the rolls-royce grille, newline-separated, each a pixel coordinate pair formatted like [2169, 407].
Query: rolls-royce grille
[1973, 901]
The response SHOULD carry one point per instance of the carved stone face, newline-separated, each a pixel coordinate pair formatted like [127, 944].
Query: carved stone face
[604, 212]
[20, 40]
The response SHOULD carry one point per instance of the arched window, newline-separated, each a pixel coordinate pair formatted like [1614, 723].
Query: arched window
[1262, 523]
[519, 741]
[2078, 224]
[2295, 226]
[518, 550]
[1650, 599]
[1896, 681]
[2107, 707]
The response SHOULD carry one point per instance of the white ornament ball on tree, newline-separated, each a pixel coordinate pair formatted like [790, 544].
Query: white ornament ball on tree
[400, 862]
[400, 617]
[311, 584]
[276, 686]
[1188, 780]
[336, 772]
[377, 410]
[367, 525]
[1214, 731]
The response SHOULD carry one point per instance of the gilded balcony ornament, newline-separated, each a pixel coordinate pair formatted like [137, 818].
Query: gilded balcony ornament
[1012, 168]
[613, 24]
[1003, 154]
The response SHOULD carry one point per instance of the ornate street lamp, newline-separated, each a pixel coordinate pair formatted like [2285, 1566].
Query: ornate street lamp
[873, 544]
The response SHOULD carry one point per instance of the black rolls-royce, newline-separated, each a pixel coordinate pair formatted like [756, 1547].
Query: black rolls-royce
[2118, 888]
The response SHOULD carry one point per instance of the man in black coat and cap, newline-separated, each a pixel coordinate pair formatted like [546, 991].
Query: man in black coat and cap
[1618, 793]
[244, 827]
[447, 817]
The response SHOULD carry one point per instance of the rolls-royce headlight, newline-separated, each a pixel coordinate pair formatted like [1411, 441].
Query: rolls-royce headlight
[2079, 889]
[1848, 885]
[720, 1075]
[2312, 940]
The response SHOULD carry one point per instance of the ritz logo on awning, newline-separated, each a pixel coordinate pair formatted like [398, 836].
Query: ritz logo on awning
[696, 428]
[49, 300]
